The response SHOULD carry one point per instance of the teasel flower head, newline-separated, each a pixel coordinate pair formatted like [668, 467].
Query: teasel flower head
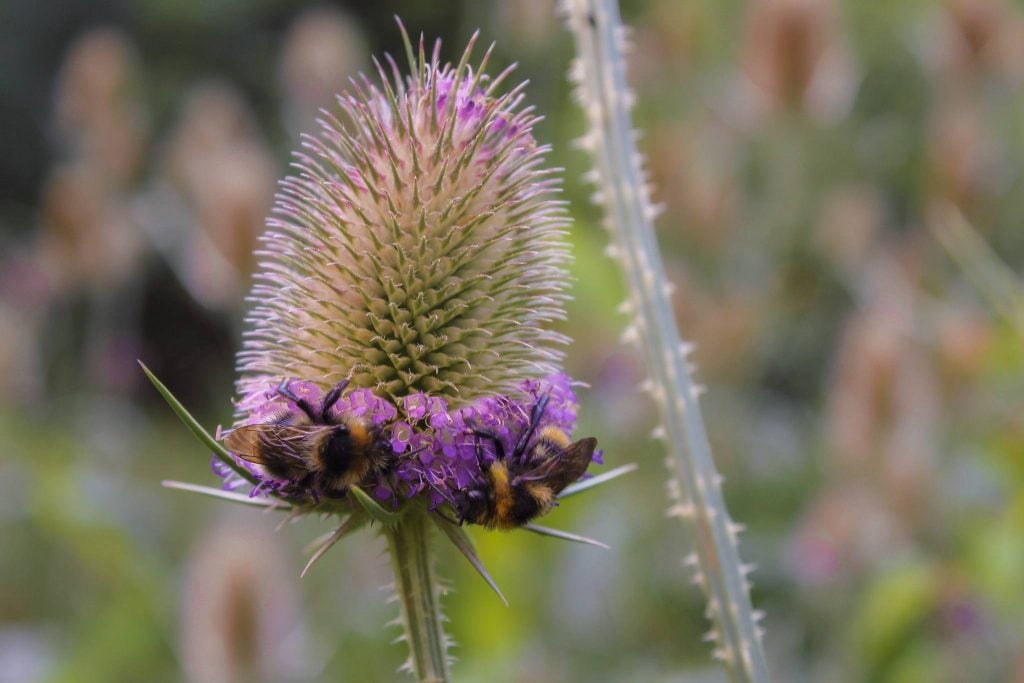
[400, 318]
[418, 248]
[408, 279]
[418, 254]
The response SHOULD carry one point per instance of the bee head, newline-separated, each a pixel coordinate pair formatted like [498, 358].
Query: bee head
[472, 505]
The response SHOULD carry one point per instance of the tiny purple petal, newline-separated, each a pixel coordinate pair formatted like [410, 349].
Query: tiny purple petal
[401, 433]
[466, 472]
[436, 406]
[383, 493]
[383, 412]
[446, 440]
[441, 421]
[416, 406]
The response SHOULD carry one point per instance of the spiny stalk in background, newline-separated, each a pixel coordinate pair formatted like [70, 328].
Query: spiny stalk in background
[600, 74]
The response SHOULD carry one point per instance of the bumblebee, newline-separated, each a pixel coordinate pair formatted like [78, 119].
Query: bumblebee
[519, 486]
[316, 451]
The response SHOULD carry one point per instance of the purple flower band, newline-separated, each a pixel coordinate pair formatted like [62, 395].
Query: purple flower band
[437, 450]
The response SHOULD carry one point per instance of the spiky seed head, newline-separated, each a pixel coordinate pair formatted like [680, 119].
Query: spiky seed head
[419, 247]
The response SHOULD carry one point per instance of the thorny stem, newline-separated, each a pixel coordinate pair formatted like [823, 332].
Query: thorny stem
[604, 95]
[418, 597]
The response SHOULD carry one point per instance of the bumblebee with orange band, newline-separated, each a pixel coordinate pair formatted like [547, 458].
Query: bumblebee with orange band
[516, 487]
[311, 448]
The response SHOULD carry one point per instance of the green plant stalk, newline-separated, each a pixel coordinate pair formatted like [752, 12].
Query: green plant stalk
[599, 73]
[416, 587]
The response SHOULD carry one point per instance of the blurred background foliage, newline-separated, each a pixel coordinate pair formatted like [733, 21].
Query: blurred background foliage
[842, 191]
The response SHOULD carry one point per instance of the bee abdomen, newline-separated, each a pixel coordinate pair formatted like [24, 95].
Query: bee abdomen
[342, 462]
[554, 435]
[527, 504]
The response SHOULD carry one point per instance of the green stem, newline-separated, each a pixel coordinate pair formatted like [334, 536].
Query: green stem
[418, 597]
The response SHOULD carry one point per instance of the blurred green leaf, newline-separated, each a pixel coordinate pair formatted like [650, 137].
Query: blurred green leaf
[891, 611]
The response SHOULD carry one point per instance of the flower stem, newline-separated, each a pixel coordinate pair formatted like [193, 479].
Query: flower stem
[604, 94]
[418, 597]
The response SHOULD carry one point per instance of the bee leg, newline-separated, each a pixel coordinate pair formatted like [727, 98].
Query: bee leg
[331, 398]
[499, 447]
[308, 485]
[481, 462]
[302, 403]
[535, 415]
[387, 459]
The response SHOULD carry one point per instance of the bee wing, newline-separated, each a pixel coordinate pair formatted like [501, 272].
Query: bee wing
[572, 464]
[271, 444]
